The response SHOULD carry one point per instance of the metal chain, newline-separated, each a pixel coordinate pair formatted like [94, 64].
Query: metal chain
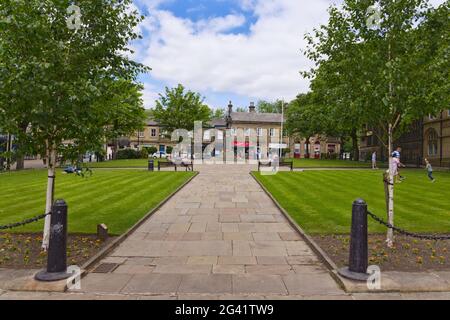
[407, 233]
[24, 222]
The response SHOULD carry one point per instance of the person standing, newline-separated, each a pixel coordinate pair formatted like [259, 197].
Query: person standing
[429, 170]
[374, 160]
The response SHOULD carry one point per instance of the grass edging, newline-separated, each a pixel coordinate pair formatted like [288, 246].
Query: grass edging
[102, 253]
[332, 267]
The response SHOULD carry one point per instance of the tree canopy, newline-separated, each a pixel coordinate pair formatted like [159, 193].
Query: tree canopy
[65, 87]
[386, 74]
[179, 109]
[264, 106]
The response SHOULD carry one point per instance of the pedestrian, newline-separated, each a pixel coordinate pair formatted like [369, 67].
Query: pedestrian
[395, 163]
[398, 164]
[374, 160]
[429, 170]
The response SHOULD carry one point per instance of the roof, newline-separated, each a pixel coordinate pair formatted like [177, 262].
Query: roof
[218, 122]
[152, 123]
[256, 117]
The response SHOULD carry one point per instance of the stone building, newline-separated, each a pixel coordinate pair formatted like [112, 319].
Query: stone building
[436, 139]
[153, 135]
[426, 138]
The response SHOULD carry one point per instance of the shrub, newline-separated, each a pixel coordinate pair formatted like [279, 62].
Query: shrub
[128, 154]
[169, 149]
[285, 151]
[152, 150]
[144, 153]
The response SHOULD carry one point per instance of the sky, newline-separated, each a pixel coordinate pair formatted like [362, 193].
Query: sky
[238, 50]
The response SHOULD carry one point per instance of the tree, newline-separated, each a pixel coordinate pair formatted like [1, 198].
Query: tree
[218, 113]
[304, 119]
[74, 88]
[177, 109]
[241, 109]
[379, 72]
[270, 107]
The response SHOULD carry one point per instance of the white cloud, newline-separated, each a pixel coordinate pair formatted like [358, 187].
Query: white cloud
[149, 95]
[263, 63]
[220, 24]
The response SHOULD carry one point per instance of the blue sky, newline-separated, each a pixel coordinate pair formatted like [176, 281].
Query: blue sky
[238, 50]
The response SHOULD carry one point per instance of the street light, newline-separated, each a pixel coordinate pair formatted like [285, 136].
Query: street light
[282, 127]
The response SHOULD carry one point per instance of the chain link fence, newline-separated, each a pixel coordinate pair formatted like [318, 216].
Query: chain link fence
[24, 222]
[407, 233]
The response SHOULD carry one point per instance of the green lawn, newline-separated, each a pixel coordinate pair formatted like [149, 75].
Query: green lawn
[321, 201]
[317, 163]
[118, 198]
[131, 163]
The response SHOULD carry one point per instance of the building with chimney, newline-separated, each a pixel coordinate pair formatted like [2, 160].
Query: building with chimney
[265, 128]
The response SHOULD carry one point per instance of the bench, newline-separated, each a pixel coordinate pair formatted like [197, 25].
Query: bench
[169, 164]
[289, 164]
[166, 165]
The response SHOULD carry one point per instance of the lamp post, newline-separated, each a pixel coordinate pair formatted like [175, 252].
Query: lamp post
[282, 127]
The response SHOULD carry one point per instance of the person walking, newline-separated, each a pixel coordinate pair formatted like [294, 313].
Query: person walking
[374, 160]
[397, 164]
[429, 170]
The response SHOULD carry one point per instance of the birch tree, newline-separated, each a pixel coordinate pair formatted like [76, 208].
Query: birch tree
[373, 58]
[65, 70]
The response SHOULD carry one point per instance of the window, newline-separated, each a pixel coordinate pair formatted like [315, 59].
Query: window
[247, 132]
[431, 117]
[272, 132]
[259, 132]
[233, 131]
[141, 134]
[153, 133]
[432, 142]
[207, 135]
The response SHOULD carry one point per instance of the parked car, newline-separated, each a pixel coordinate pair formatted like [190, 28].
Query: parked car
[160, 155]
[72, 169]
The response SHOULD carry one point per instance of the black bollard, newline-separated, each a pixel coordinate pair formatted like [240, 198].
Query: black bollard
[358, 260]
[57, 250]
[151, 165]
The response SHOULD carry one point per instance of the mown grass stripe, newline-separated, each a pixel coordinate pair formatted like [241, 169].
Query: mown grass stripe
[320, 201]
[119, 198]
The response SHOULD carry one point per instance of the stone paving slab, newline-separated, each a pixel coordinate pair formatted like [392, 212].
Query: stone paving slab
[221, 235]
[17, 295]
[393, 281]
[152, 283]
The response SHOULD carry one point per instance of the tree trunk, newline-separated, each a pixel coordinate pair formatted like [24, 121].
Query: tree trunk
[354, 136]
[20, 162]
[51, 164]
[390, 232]
[307, 155]
[390, 213]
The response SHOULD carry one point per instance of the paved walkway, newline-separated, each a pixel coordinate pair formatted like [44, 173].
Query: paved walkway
[220, 236]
